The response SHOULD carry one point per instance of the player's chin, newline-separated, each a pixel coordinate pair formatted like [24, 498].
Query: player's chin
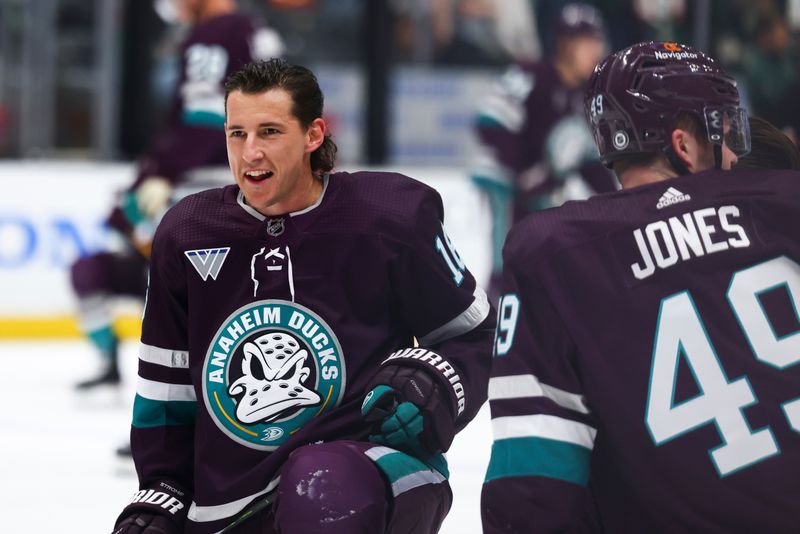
[256, 199]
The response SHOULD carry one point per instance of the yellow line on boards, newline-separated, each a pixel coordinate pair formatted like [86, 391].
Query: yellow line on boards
[59, 327]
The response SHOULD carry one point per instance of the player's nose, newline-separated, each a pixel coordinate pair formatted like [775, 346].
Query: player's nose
[252, 151]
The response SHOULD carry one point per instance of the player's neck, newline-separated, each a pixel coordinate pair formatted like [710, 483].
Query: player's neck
[636, 176]
[305, 195]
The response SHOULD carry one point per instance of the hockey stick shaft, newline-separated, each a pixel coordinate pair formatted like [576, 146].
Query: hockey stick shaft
[257, 507]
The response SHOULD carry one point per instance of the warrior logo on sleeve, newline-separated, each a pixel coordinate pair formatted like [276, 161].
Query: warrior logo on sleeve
[272, 366]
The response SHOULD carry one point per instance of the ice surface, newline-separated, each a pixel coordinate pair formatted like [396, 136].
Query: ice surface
[58, 470]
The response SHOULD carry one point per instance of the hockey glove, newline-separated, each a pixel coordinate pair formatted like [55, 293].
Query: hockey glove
[409, 410]
[146, 524]
[161, 509]
[152, 196]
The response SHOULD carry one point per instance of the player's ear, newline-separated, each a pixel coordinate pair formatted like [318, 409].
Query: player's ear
[686, 149]
[315, 134]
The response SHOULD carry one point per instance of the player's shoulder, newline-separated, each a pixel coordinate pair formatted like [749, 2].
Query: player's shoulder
[223, 29]
[749, 182]
[387, 199]
[521, 78]
[193, 211]
[544, 233]
[233, 21]
[712, 187]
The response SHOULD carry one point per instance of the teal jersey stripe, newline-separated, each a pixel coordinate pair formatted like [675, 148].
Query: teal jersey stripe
[203, 118]
[542, 457]
[494, 184]
[487, 121]
[397, 465]
[130, 208]
[149, 413]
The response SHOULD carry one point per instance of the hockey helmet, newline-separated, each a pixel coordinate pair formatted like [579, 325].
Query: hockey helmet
[580, 19]
[635, 96]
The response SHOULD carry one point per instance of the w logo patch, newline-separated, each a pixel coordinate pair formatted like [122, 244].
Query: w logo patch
[208, 262]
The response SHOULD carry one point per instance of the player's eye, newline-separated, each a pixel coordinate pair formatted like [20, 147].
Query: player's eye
[236, 133]
[270, 131]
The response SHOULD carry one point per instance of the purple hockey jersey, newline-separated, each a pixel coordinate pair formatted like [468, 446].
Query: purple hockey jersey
[193, 134]
[647, 347]
[534, 139]
[261, 334]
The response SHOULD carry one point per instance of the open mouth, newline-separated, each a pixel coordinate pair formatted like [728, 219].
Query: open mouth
[258, 176]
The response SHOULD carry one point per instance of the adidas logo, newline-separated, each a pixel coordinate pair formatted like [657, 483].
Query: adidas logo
[671, 196]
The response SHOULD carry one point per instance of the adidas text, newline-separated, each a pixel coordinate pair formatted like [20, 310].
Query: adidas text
[672, 196]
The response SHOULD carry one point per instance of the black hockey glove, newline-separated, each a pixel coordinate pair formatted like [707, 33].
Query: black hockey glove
[146, 524]
[412, 403]
[161, 509]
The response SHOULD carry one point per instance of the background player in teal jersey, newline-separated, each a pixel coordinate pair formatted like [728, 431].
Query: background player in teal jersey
[535, 150]
[221, 40]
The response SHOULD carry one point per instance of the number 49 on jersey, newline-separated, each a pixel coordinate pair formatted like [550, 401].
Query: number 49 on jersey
[680, 332]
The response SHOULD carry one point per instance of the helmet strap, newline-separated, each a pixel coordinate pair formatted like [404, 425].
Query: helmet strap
[675, 161]
[717, 156]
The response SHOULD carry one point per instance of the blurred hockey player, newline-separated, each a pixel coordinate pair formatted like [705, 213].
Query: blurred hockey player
[535, 149]
[280, 385]
[646, 355]
[220, 42]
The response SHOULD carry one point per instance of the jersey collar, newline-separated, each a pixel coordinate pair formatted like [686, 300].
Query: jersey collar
[261, 217]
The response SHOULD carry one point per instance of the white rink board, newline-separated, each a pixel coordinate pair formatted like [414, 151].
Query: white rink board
[51, 211]
[57, 462]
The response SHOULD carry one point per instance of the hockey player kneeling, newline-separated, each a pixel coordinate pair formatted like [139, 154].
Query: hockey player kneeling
[277, 392]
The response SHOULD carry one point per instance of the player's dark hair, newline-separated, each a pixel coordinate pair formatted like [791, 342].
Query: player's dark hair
[298, 81]
[770, 148]
[688, 122]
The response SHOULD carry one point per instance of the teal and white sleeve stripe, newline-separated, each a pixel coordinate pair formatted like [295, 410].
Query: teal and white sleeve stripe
[539, 430]
[164, 393]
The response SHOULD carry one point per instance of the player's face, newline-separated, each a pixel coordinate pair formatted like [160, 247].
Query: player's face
[188, 10]
[583, 53]
[269, 151]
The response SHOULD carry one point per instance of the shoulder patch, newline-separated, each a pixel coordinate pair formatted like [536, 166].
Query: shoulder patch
[207, 262]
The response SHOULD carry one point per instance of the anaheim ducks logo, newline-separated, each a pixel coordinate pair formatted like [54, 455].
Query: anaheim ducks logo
[672, 47]
[272, 366]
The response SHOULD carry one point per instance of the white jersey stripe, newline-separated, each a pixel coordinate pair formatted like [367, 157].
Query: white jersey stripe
[523, 386]
[461, 324]
[544, 426]
[415, 480]
[162, 391]
[177, 359]
[511, 115]
[408, 482]
[203, 514]
[378, 452]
